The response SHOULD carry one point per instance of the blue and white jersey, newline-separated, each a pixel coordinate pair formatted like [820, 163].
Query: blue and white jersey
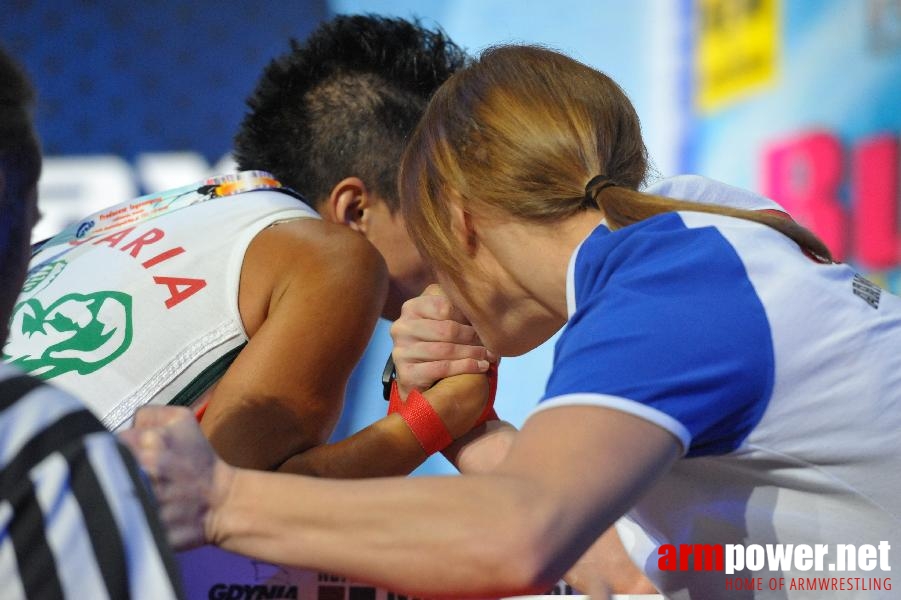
[779, 376]
[698, 188]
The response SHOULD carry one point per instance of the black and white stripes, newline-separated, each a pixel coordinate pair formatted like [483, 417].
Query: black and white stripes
[75, 518]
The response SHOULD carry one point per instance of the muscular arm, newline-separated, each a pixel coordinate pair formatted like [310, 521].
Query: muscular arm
[604, 567]
[569, 474]
[388, 447]
[310, 294]
[309, 297]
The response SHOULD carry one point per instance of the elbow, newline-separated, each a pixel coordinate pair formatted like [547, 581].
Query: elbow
[524, 570]
[520, 555]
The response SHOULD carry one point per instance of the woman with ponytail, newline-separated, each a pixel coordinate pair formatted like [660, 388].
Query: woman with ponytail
[719, 380]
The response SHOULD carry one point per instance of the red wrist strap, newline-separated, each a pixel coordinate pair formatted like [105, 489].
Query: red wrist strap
[426, 425]
[394, 401]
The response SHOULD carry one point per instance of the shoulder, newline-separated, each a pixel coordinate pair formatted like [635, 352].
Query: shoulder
[662, 318]
[649, 246]
[309, 260]
[696, 188]
[668, 266]
[690, 242]
[305, 245]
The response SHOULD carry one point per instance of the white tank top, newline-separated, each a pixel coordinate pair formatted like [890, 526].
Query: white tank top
[138, 303]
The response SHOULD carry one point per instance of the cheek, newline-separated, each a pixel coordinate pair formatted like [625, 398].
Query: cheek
[401, 256]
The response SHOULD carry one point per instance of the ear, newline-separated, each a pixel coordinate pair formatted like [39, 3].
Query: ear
[463, 227]
[348, 204]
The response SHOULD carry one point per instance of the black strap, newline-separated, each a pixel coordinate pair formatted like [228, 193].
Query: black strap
[389, 374]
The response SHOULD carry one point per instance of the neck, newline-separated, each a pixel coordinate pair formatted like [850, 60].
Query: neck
[537, 257]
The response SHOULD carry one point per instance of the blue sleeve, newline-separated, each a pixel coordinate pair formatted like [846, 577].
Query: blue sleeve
[667, 327]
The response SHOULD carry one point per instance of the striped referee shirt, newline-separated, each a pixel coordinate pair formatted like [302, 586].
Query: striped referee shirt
[76, 520]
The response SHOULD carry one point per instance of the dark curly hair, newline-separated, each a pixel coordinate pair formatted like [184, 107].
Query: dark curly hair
[343, 104]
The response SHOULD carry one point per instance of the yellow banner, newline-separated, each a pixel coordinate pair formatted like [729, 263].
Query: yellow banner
[736, 50]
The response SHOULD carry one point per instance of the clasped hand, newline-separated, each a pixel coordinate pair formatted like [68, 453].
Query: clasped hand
[434, 342]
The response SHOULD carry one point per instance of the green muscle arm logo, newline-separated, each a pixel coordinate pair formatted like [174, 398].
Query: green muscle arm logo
[78, 332]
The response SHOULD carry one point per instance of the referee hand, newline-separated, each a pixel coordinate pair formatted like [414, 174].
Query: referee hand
[188, 479]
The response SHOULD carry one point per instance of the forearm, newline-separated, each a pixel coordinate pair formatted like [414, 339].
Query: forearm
[385, 448]
[513, 531]
[374, 530]
[482, 449]
[605, 566]
[388, 446]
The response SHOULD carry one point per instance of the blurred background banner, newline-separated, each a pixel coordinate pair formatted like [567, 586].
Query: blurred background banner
[735, 50]
[814, 120]
[798, 100]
